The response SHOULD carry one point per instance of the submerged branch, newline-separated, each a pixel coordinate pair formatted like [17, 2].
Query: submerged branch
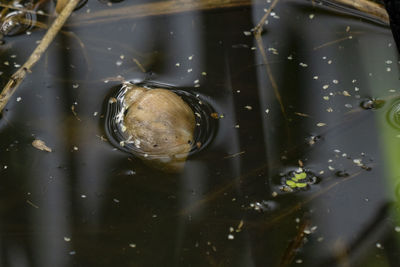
[20, 74]
[257, 34]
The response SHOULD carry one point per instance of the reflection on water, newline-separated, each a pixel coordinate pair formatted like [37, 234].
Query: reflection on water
[88, 203]
[393, 115]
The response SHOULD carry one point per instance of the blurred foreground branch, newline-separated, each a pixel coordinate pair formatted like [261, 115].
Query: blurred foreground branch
[365, 6]
[170, 7]
[20, 74]
[167, 7]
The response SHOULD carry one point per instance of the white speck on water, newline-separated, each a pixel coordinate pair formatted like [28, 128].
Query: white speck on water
[326, 98]
[75, 85]
[95, 113]
[132, 245]
[248, 107]
[299, 261]
[231, 237]
[354, 81]
[388, 69]
[304, 65]
[329, 61]
[19, 99]
[388, 62]
[315, 77]
[247, 33]
[177, 64]
[116, 200]
[75, 148]
[331, 168]
[348, 105]
[329, 110]
[311, 16]
[379, 245]
[290, 57]
[267, 110]
[326, 86]
[204, 73]
[397, 229]
[122, 56]
[237, 126]
[196, 81]
[83, 196]
[189, 70]
[72, 253]
[321, 124]
[356, 89]
[335, 81]
[191, 57]
[67, 239]
[197, 85]
[118, 63]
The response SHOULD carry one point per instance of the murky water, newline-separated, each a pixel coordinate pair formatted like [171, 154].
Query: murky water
[307, 176]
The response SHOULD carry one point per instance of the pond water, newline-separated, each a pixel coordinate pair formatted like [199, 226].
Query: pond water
[302, 169]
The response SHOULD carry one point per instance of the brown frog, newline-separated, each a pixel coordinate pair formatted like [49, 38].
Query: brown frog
[160, 125]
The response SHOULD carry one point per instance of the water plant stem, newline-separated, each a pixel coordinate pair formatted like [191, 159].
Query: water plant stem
[17, 78]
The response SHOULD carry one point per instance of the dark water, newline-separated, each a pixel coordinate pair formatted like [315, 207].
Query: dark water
[88, 203]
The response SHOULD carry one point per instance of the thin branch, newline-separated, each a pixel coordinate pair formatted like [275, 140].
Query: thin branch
[20, 74]
[257, 34]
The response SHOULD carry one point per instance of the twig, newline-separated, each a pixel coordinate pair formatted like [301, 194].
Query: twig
[139, 65]
[333, 42]
[20, 74]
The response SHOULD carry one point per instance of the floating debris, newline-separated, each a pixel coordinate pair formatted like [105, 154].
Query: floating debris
[372, 103]
[41, 145]
[297, 179]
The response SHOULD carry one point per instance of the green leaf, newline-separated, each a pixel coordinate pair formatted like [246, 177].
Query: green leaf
[299, 176]
[291, 183]
[301, 185]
